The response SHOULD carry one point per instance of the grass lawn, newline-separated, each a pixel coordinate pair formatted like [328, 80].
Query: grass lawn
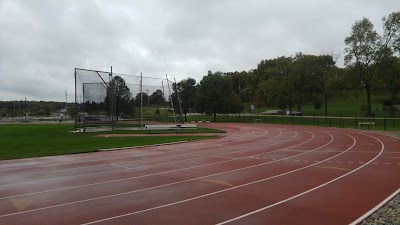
[33, 140]
[345, 104]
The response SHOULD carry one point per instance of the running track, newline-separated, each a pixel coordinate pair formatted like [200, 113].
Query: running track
[256, 174]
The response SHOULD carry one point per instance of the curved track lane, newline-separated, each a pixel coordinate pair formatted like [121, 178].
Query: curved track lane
[256, 174]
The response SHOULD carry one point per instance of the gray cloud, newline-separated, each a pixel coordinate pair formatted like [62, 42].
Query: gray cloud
[42, 42]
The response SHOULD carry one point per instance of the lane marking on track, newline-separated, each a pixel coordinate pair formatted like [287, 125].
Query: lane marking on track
[120, 166]
[220, 182]
[179, 182]
[20, 204]
[310, 190]
[332, 167]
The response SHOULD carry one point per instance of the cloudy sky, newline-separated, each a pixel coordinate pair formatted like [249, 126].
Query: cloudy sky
[41, 42]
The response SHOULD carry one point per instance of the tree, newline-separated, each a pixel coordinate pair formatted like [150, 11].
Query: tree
[122, 96]
[362, 54]
[157, 98]
[187, 90]
[145, 99]
[389, 75]
[307, 71]
[216, 95]
[274, 92]
[391, 27]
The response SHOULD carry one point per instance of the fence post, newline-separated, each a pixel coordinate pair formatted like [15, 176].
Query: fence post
[384, 123]
[355, 119]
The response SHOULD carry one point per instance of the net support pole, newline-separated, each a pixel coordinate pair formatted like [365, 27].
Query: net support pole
[170, 96]
[76, 106]
[165, 105]
[141, 100]
[179, 100]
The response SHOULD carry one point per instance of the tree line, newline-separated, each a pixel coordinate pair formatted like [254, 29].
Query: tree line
[288, 82]
[372, 64]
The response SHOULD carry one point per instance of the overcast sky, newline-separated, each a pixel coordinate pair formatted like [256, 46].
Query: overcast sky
[41, 42]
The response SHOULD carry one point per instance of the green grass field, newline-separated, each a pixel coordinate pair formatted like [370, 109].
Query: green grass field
[33, 140]
[345, 104]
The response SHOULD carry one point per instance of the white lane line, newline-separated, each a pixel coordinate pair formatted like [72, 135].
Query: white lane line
[310, 190]
[170, 184]
[120, 166]
[221, 191]
[119, 170]
[136, 177]
[388, 163]
[350, 162]
[367, 214]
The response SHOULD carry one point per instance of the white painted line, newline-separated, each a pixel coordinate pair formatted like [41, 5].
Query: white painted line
[310, 190]
[367, 214]
[388, 163]
[350, 162]
[120, 166]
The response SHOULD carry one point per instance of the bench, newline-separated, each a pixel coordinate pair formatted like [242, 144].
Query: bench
[366, 123]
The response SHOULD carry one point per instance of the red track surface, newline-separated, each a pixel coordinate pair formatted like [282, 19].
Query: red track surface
[257, 174]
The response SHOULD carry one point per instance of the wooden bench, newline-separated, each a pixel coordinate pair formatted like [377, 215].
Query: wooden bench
[366, 123]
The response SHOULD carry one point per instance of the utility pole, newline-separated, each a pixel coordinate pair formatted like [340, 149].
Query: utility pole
[141, 100]
[66, 99]
[25, 110]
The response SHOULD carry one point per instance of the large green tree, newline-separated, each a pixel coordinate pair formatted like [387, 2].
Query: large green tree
[157, 98]
[187, 90]
[118, 89]
[362, 55]
[389, 74]
[216, 95]
[391, 36]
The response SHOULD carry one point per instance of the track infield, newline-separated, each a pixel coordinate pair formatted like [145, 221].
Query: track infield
[256, 174]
